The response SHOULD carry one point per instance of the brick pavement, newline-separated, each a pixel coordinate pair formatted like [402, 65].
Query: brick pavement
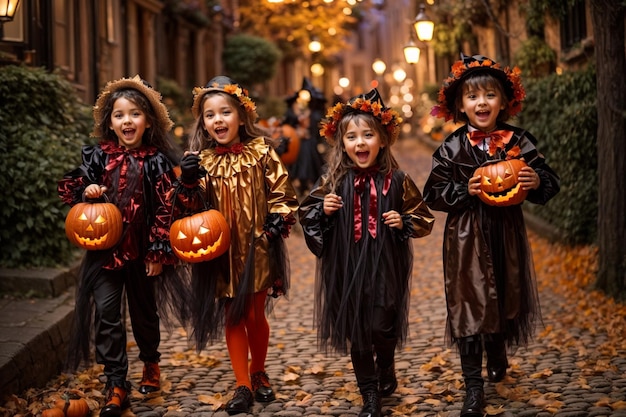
[579, 377]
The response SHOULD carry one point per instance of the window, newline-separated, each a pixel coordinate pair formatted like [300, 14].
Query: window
[573, 26]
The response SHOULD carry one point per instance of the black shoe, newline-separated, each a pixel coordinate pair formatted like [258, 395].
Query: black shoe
[387, 381]
[115, 403]
[371, 405]
[241, 402]
[474, 402]
[263, 391]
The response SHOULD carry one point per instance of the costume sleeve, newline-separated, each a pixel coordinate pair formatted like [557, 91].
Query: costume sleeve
[417, 219]
[446, 187]
[281, 196]
[73, 184]
[159, 248]
[550, 182]
[314, 222]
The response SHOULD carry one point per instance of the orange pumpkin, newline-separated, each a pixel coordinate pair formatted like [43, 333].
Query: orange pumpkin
[94, 226]
[499, 183]
[291, 156]
[53, 412]
[73, 407]
[200, 237]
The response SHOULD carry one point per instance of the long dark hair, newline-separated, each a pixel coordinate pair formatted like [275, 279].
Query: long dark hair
[155, 135]
[338, 162]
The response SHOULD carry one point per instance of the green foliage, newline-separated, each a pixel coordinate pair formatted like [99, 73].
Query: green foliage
[535, 58]
[42, 128]
[250, 60]
[560, 111]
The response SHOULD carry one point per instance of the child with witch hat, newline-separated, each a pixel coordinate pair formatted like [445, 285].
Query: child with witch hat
[491, 295]
[358, 220]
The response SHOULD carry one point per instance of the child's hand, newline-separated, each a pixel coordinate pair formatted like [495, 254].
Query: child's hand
[393, 219]
[528, 178]
[153, 269]
[332, 203]
[473, 186]
[94, 191]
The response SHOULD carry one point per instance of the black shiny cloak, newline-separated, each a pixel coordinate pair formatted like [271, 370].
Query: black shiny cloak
[353, 277]
[488, 268]
[138, 182]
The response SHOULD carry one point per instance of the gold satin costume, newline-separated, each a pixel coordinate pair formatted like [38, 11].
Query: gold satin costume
[245, 188]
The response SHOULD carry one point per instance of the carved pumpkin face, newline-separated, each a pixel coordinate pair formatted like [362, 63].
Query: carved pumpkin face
[200, 237]
[499, 183]
[94, 226]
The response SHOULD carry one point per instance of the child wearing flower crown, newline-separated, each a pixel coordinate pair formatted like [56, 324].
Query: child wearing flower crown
[233, 163]
[131, 168]
[357, 220]
[491, 294]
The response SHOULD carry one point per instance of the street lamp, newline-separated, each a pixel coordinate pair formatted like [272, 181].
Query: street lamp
[411, 52]
[423, 26]
[7, 12]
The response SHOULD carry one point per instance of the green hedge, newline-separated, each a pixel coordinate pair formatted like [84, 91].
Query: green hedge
[560, 111]
[42, 128]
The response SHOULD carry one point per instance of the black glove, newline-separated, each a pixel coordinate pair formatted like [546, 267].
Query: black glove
[190, 168]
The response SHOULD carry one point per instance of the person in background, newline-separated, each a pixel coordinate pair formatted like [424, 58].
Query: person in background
[489, 276]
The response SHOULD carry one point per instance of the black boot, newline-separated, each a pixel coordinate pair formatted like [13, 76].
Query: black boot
[474, 402]
[496, 358]
[387, 381]
[371, 405]
[241, 402]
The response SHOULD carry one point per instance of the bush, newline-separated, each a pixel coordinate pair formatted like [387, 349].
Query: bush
[42, 128]
[250, 60]
[560, 110]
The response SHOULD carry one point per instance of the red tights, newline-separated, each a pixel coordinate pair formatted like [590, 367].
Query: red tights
[251, 334]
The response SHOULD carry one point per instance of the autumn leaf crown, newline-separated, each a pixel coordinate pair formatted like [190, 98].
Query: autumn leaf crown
[369, 103]
[227, 85]
[468, 65]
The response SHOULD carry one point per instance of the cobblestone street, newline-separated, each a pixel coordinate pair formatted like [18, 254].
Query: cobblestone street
[575, 367]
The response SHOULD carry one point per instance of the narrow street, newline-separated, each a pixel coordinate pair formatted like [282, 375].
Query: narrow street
[575, 367]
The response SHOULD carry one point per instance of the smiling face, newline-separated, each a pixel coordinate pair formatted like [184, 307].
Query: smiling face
[221, 119]
[128, 122]
[482, 106]
[362, 143]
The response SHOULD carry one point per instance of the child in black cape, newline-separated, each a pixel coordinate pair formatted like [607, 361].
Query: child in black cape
[358, 220]
[489, 276]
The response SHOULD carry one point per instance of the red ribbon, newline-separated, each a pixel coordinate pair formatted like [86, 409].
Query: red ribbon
[497, 138]
[235, 148]
[363, 177]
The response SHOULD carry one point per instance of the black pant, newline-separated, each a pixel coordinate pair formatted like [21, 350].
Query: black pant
[383, 347]
[110, 333]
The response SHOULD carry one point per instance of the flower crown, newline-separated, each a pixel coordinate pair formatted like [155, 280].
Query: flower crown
[467, 65]
[228, 86]
[370, 103]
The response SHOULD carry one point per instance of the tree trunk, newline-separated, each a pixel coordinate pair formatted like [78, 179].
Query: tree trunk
[608, 32]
